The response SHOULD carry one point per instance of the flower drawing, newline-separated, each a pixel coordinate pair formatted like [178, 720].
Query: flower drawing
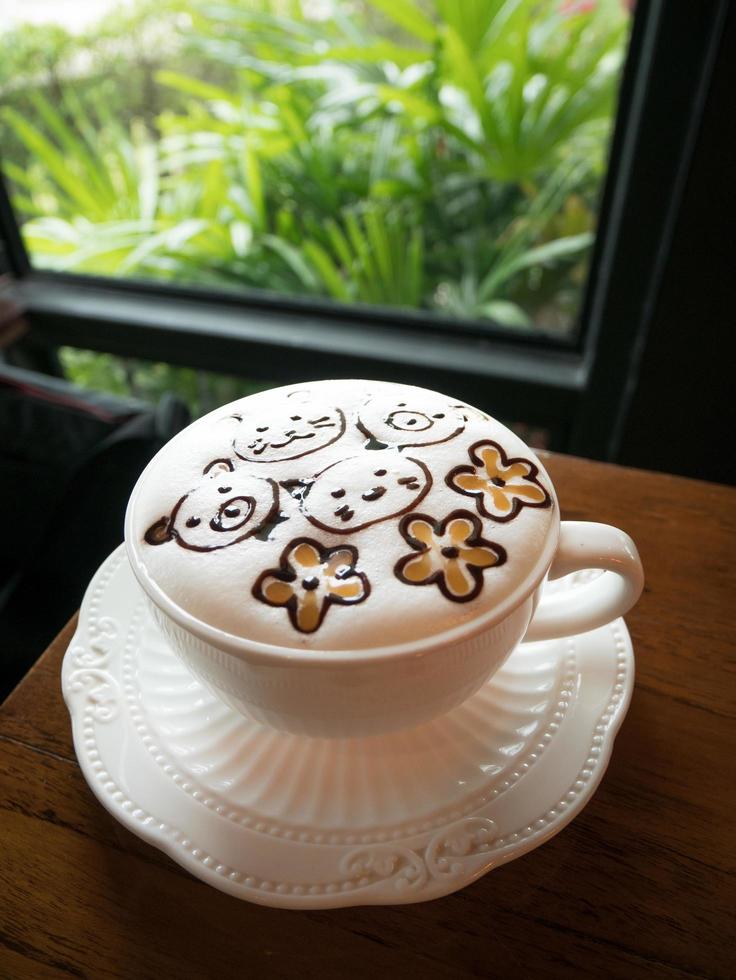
[309, 579]
[449, 553]
[501, 485]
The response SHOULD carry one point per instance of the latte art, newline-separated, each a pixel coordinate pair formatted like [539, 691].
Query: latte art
[410, 420]
[354, 493]
[300, 426]
[342, 515]
[223, 509]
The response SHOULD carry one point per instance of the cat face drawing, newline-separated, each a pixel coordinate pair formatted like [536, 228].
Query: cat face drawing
[303, 425]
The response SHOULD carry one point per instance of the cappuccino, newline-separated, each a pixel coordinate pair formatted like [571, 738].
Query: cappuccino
[342, 515]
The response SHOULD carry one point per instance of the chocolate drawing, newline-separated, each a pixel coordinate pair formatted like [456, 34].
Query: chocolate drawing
[299, 427]
[450, 553]
[424, 420]
[501, 485]
[225, 508]
[355, 493]
[311, 578]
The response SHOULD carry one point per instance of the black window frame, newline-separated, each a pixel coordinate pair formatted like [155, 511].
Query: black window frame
[577, 390]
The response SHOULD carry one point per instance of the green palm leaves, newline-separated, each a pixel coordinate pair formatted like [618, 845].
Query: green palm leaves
[441, 155]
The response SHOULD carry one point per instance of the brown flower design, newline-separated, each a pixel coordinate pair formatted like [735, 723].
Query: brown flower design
[501, 485]
[452, 554]
[309, 579]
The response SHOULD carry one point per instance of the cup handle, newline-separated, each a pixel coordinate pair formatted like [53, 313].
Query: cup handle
[583, 545]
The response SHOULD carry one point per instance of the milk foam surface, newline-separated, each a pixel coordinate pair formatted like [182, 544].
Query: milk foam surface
[342, 515]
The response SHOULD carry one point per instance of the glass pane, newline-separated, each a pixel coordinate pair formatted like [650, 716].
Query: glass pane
[202, 391]
[129, 377]
[430, 154]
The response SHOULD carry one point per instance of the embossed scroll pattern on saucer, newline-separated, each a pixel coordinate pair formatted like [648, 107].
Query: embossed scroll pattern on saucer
[380, 864]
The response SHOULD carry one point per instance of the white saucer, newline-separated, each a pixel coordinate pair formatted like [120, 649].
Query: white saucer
[294, 822]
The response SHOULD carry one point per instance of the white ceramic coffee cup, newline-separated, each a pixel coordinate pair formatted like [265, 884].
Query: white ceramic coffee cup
[368, 691]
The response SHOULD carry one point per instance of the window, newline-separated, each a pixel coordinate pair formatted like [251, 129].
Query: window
[413, 188]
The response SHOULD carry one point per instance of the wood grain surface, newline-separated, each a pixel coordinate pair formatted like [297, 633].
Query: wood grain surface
[641, 884]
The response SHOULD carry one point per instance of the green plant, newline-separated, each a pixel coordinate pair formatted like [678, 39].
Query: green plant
[203, 391]
[440, 155]
[375, 257]
[91, 189]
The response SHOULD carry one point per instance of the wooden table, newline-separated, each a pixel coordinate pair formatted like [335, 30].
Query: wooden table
[639, 885]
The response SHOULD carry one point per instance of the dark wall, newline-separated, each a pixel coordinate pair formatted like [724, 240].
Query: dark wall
[681, 418]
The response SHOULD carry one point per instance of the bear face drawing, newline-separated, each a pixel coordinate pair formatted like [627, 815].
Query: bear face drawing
[226, 507]
[414, 419]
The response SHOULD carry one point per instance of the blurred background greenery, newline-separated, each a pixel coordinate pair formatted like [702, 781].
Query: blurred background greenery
[203, 391]
[426, 154]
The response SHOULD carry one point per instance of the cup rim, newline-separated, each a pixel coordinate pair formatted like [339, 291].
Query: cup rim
[257, 651]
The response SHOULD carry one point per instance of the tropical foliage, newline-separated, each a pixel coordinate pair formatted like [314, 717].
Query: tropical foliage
[417, 153]
[149, 381]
